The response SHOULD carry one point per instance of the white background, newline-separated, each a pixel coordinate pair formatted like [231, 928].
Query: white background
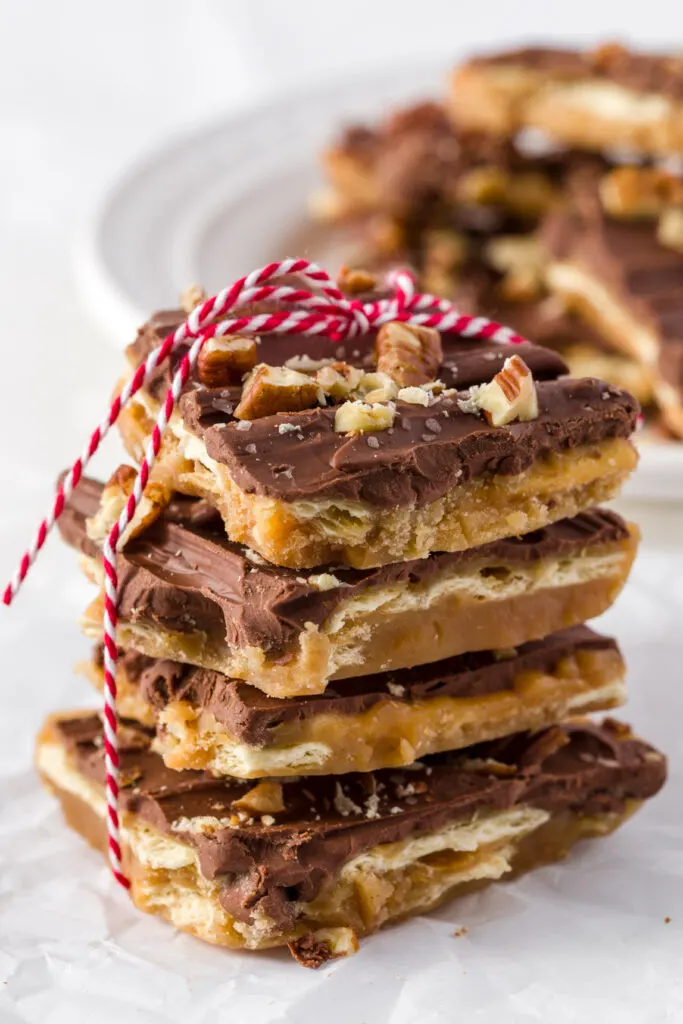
[84, 88]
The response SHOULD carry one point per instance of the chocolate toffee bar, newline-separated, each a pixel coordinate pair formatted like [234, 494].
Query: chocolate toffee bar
[625, 283]
[316, 862]
[205, 720]
[188, 594]
[414, 470]
[419, 172]
[593, 99]
[519, 298]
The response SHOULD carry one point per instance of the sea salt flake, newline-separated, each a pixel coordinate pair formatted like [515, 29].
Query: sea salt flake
[343, 804]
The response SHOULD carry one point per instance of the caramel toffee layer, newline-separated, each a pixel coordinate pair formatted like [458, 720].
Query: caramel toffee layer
[268, 868]
[181, 573]
[252, 717]
[640, 72]
[428, 451]
[646, 278]
[465, 362]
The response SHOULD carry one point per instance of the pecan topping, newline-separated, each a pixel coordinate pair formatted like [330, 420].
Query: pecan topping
[409, 355]
[272, 389]
[354, 282]
[191, 298]
[635, 192]
[363, 417]
[511, 395]
[225, 360]
[670, 228]
[338, 380]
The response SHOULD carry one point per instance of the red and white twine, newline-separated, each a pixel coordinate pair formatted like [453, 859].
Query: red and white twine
[326, 312]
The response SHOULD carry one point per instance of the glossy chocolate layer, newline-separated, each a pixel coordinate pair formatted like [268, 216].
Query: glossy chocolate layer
[429, 450]
[252, 717]
[465, 362]
[645, 278]
[182, 573]
[641, 72]
[269, 868]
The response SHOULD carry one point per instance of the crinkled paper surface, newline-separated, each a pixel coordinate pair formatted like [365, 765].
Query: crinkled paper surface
[582, 941]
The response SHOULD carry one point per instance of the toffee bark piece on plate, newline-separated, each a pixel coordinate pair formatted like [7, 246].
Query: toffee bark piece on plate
[205, 720]
[315, 862]
[480, 291]
[418, 170]
[188, 594]
[594, 99]
[623, 282]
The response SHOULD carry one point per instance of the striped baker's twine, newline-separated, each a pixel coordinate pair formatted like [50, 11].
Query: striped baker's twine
[326, 312]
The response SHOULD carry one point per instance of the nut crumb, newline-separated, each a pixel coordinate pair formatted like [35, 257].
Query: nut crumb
[343, 804]
[460, 932]
[359, 416]
[413, 396]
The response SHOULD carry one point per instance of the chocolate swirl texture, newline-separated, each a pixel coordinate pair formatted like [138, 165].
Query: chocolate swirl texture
[183, 574]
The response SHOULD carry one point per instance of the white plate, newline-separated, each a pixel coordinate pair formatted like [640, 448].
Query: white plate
[219, 201]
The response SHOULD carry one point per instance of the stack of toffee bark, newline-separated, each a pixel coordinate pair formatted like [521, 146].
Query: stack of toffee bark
[354, 665]
[544, 191]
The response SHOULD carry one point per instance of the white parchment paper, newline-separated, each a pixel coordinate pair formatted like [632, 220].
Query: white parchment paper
[582, 941]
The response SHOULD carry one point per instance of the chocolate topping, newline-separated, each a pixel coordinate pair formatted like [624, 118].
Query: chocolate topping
[417, 158]
[252, 717]
[466, 362]
[182, 574]
[327, 821]
[645, 278]
[641, 72]
[477, 292]
[429, 450]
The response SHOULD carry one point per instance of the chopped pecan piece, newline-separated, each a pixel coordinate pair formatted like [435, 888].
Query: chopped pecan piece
[191, 298]
[408, 354]
[511, 395]
[264, 798]
[354, 282]
[272, 389]
[339, 380]
[670, 228]
[363, 417]
[639, 192]
[225, 360]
